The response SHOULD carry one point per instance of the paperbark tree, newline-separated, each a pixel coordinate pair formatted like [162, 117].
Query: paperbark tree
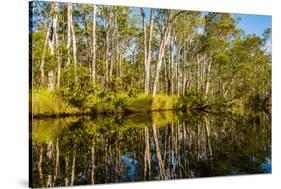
[107, 44]
[147, 46]
[93, 65]
[71, 35]
[42, 62]
[164, 40]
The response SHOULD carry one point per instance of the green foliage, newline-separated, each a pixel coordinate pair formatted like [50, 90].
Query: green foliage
[46, 102]
[44, 131]
[142, 102]
[164, 102]
[208, 50]
[77, 92]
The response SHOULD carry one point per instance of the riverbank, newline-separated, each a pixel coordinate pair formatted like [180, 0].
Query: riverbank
[46, 104]
[51, 104]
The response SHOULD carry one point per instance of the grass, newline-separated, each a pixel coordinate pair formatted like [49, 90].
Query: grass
[164, 102]
[140, 103]
[45, 102]
[147, 102]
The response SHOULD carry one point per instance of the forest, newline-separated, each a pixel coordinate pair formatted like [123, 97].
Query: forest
[101, 59]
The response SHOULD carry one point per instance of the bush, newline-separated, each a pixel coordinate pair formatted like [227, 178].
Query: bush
[164, 102]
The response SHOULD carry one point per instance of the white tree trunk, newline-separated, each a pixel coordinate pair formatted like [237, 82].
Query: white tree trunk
[56, 43]
[69, 10]
[42, 63]
[73, 47]
[147, 47]
[93, 66]
[163, 43]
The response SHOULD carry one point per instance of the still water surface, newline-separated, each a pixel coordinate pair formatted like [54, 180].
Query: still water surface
[156, 146]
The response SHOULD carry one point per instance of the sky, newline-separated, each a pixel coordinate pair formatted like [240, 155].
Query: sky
[250, 23]
[253, 24]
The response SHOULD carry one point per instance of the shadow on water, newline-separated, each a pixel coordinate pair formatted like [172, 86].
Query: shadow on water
[155, 146]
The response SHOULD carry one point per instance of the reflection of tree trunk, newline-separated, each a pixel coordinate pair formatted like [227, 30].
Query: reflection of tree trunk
[208, 137]
[165, 143]
[50, 181]
[73, 171]
[178, 148]
[57, 160]
[185, 149]
[116, 160]
[173, 151]
[40, 165]
[158, 153]
[198, 141]
[147, 157]
[66, 171]
[106, 160]
[50, 150]
[93, 165]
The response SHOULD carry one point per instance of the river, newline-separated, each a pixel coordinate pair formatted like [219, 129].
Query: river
[153, 146]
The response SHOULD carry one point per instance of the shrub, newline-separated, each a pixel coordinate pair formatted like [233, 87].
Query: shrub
[164, 102]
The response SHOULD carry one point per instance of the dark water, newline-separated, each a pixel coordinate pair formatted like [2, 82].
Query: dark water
[165, 145]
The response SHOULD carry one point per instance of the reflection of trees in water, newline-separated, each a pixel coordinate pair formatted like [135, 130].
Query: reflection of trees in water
[106, 150]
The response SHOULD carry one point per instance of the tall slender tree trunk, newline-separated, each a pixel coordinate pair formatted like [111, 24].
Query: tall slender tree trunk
[113, 42]
[178, 72]
[147, 47]
[56, 43]
[163, 43]
[69, 10]
[208, 72]
[170, 68]
[107, 55]
[93, 65]
[146, 85]
[42, 62]
[73, 44]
